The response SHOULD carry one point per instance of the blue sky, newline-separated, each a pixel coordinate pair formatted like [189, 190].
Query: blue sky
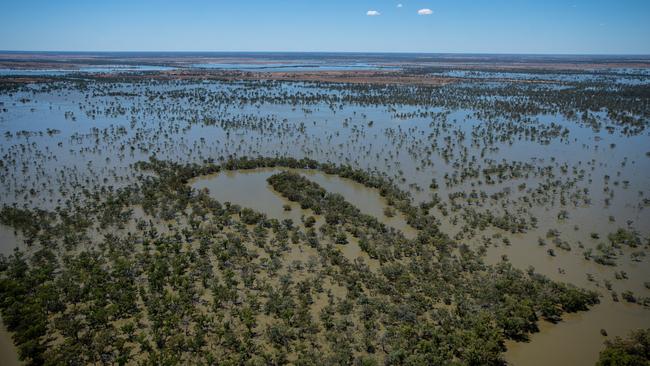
[483, 26]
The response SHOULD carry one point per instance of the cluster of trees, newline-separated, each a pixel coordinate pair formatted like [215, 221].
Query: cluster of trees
[214, 283]
[465, 149]
[217, 257]
[633, 350]
[607, 253]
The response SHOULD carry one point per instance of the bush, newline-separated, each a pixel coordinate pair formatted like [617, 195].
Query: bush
[631, 351]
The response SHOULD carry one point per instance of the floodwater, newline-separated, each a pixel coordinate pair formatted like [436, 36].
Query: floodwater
[254, 67]
[577, 340]
[612, 76]
[97, 132]
[8, 352]
[248, 188]
[8, 240]
[106, 69]
[292, 67]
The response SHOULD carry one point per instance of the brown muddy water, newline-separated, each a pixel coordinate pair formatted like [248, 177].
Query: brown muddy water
[99, 138]
[248, 188]
[577, 339]
[574, 341]
[8, 352]
[8, 240]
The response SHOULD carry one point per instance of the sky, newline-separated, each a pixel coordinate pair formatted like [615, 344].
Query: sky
[437, 26]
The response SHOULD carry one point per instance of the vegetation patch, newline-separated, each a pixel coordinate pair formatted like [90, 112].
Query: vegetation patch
[160, 273]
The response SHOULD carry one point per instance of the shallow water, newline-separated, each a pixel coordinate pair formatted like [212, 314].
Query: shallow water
[248, 188]
[8, 352]
[8, 240]
[614, 76]
[108, 69]
[291, 67]
[577, 339]
[93, 147]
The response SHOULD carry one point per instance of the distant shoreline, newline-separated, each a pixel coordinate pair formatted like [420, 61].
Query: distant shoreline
[361, 68]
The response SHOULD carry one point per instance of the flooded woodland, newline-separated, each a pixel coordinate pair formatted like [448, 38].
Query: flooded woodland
[497, 217]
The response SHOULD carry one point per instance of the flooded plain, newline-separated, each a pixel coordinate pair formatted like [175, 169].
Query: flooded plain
[8, 352]
[105, 69]
[571, 180]
[292, 67]
[249, 188]
[575, 339]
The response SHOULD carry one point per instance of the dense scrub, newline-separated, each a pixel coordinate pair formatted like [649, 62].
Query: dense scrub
[190, 280]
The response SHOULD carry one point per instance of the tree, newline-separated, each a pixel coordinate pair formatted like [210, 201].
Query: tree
[632, 351]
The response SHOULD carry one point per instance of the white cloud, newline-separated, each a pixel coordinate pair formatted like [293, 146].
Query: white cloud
[425, 12]
[373, 13]
[399, 5]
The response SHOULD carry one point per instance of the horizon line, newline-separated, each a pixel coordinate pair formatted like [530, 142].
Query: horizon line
[339, 52]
